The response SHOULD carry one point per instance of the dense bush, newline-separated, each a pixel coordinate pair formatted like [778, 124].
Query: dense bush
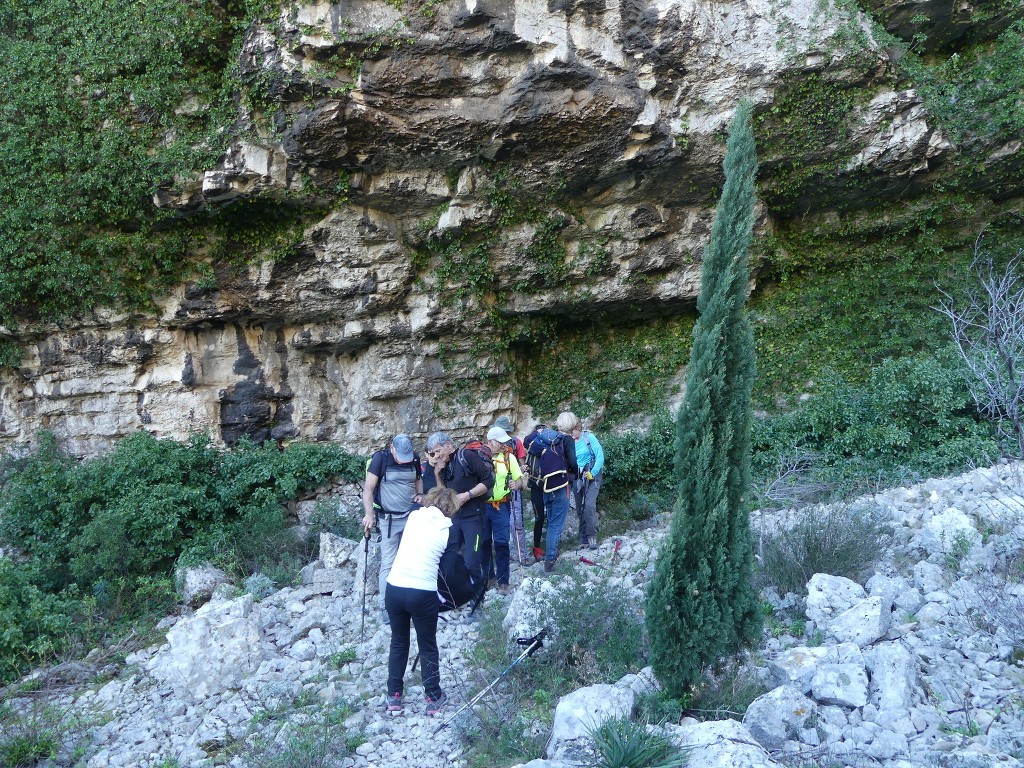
[914, 415]
[112, 528]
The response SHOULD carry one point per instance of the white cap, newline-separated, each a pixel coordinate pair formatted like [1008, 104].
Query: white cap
[499, 434]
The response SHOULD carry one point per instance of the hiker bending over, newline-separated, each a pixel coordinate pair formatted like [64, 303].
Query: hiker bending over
[392, 488]
[590, 458]
[555, 454]
[507, 478]
[471, 476]
[411, 596]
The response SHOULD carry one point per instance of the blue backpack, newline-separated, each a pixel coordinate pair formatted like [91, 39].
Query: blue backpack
[545, 439]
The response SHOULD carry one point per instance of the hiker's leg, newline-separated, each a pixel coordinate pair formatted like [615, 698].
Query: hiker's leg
[424, 607]
[500, 536]
[398, 657]
[472, 546]
[486, 556]
[537, 500]
[388, 547]
[590, 508]
[556, 507]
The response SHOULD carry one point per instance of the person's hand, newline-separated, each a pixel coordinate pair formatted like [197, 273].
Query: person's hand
[418, 498]
[588, 475]
[369, 520]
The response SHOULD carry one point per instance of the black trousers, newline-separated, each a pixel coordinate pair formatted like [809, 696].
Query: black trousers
[537, 500]
[420, 607]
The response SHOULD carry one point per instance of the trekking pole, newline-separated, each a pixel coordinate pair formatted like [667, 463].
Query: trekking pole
[585, 561]
[516, 496]
[615, 552]
[362, 606]
[533, 644]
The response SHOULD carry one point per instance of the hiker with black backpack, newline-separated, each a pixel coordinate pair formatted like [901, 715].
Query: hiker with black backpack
[556, 468]
[590, 457]
[536, 492]
[392, 488]
[411, 596]
[467, 471]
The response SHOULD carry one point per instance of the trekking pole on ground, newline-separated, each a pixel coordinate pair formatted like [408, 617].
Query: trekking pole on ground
[533, 644]
[585, 561]
[362, 606]
[615, 552]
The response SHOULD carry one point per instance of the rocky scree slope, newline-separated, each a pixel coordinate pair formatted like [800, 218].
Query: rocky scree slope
[920, 665]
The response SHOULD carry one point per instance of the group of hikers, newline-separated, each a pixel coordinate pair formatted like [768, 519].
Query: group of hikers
[460, 511]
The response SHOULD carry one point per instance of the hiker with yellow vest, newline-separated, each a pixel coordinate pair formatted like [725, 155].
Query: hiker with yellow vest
[508, 477]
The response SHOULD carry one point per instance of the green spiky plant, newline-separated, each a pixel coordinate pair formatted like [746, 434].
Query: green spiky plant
[701, 605]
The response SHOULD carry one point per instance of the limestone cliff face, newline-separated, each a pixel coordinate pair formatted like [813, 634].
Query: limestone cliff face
[572, 146]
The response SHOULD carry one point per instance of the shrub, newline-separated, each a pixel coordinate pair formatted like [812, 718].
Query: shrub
[840, 539]
[34, 733]
[623, 743]
[599, 638]
[726, 692]
[914, 415]
[113, 527]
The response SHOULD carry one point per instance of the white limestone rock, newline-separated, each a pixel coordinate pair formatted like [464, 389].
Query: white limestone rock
[774, 717]
[844, 685]
[893, 679]
[828, 596]
[862, 624]
[578, 713]
[210, 652]
[719, 744]
[196, 584]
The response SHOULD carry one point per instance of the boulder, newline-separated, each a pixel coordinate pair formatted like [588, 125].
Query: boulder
[862, 624]
[828, 596]
[210, 652]
[844, 685]
[776, 717]
[893, 679]
[196, 584]
[578, 713]
[719, 744]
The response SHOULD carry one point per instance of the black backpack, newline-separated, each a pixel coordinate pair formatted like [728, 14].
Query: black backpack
[454, 583]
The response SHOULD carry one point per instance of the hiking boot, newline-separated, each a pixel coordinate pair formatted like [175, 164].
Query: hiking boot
[593, 544]
[538, 554]
[436, 703]
[505, 589]
[395, 702]
[549, 566]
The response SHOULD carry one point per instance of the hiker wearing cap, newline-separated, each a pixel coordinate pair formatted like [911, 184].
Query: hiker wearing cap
[507, 478]
[517, 544]
[411, 597]
[392, 488]
[471, 476]
[590, 457]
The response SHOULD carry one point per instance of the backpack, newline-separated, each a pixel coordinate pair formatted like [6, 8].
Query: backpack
[543, 440]
[389, 462]
[473, 445]
[455, 585]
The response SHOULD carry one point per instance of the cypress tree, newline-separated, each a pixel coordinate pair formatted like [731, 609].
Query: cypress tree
[701, 604]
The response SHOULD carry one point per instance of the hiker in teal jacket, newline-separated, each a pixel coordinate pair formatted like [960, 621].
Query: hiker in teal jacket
[590, 458]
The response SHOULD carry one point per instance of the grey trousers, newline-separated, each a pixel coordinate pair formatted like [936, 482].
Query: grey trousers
[389, 547]
[586, 507]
